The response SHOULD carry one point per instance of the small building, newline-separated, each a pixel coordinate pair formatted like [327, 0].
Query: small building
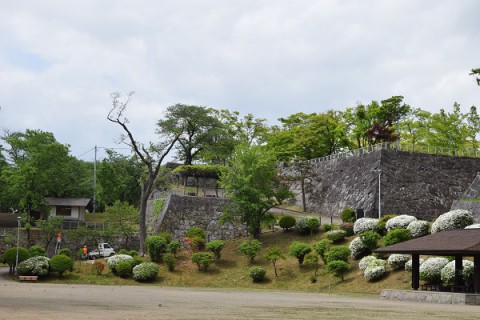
[71, 209]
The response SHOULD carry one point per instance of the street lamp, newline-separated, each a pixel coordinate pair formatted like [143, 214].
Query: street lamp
[18, 245]
[379, 171]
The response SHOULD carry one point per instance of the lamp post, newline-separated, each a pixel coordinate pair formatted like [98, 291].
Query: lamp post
[18, 244]
[379, 171]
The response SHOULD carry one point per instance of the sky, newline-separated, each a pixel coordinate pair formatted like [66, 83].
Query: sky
[61, 60]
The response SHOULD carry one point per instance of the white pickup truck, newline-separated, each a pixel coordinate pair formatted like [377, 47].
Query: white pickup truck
[104, 250]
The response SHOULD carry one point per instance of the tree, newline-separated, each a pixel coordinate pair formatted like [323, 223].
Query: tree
[273, 255]
[448, 129]
[122, 219]
[253, 187]
[476, 72]
[250, 248]
[195, 127]
[50, 229]
[151, 157]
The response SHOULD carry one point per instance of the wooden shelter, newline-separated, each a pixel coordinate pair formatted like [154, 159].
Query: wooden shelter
[458, 243]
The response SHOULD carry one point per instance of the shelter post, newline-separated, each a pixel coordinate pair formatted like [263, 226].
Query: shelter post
[459, 271]
[476, 274]
[415, 271]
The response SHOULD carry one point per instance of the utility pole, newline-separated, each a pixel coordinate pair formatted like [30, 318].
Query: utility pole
[95, 181]
[379, 171]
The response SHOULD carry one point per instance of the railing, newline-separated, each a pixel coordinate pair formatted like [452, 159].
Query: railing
[465, 152]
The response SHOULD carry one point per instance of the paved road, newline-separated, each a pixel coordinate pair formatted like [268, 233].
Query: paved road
[48, 301]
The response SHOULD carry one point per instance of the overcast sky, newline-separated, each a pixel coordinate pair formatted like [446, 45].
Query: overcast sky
[60, 60]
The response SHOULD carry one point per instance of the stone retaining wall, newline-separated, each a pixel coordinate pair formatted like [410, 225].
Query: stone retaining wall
[431, 297]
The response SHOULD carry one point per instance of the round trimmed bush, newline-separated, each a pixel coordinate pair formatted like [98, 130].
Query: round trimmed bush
[370, 239]
[65, 252]
[408, 265]
[216, 247]
[374, 272]
[336, 236]
[399, 222]
[156, 246]
[196, 232]
[307, 225]
[299, 250]
[10, 257]
[146, 271]
[364, 224]
[322, 247]
[430, 270]
[36, 250]
[287, 222]
[124, 269]
[170, 261]
[348, 215]
[418, 228]
[337, 253]
[447, 274]
[396, 236]
[398, 261]
[357, 248]
[455, 219]
[363, 264]
[34, 266]
[338, 268]
[202, 260]
[347, 227]
[112, 262]
[61, 263]
[257, 273]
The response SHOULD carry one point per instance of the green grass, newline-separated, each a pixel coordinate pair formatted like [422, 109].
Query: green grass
[232, 272]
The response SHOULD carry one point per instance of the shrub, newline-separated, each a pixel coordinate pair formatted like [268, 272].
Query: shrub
[34, 266]
[363, 264]
[173, 246]
[202, 260]
[273, 255]
[381, 226]
[287, 222]
[348, 215]
[216, 247]
[98, 266]
[364, 224]
[322, 247]
[165, 235]
[327, 227]
[146, 271]
[455, 219]
[357, 248]
[473, 226]
[338, 268]
[430, 270]
[250, 248]
[336, 235]
[398, 261]
[195, 243]
[112, 262]
[370, 239]
[65, 252]
[299, 250]
[447, 274]
[10, 257]
[170, 261]
[257, 273]
[374, 272]
[61, 263]
[35, 251]
[396, 236]
[137, 260]
[156, 246]
[311, 260]
[399, 222]
[418, 228]
[408, 265]
[124, 269]
[123, 251]
[196, 232]
[339, 253]
[133, 253]
[347, 227]
[307, 225]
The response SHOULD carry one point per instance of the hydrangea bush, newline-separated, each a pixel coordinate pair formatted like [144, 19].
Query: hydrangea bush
[399, 222]
[408, 265]
[455, 219]
[363, 264]
[146, 271]
[116, 259]
[418, 228]
[398, 261]
[364, 224]
[430, 270]
[448, 272]
[35, 266]
[357, 248]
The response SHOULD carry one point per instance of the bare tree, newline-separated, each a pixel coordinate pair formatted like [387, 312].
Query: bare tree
[151, 156]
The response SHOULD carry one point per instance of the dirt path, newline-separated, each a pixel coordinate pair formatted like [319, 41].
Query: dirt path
[48, 301]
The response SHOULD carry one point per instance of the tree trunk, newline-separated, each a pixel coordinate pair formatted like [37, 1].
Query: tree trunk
[143, 227]
[304, 202]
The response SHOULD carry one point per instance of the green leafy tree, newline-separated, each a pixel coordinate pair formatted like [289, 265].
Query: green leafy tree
[253, 187]
[273, 255]
[476, 72]
[150, 156]
[10, 257]
[49, 229]
[216, 246]
[448, 129]
[250, 248]
[311, 260]
[338, 268]
[322, 247]
[122, 219]
[299, 250]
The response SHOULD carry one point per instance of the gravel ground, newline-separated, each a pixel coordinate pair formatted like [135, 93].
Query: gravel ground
[48, 301]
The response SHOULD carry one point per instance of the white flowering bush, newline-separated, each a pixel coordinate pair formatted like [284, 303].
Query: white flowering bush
[399, 222]
[408, 265]
[116, 259]
[363, 264]
[35, 266]
[375, 270]
[146, 271]
[430, 270]
[336, 235]
[455, 219]
[364, 224]
[398, 261]
[307, 224]
[418, 228]
[357, 248]
[473, 226]
[448, 272]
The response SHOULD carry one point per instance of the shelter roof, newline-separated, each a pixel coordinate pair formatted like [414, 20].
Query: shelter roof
[73, 202]
[464, 242]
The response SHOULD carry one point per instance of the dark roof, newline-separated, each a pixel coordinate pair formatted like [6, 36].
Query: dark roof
[73, 202]
[462, 242]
